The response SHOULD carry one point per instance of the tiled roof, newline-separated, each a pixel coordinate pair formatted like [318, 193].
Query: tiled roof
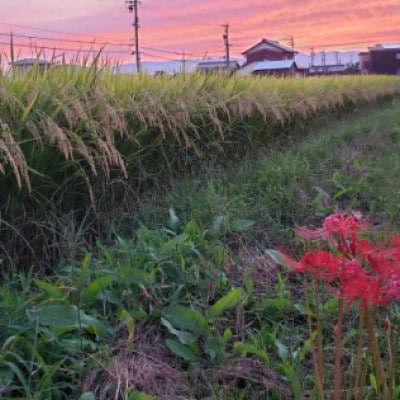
[258, 66]
[272, 43]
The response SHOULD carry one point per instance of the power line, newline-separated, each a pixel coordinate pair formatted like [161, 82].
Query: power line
[162, 50]
[109, 43]
[183, 55]
[179, 52]
[126, 45]
[55, 48]
[344, 44]
[158, 56]
[113, 48]
[151, 52]
[53, 31]
[66, 40]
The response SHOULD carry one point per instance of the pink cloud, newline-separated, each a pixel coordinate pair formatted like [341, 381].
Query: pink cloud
[195, 27]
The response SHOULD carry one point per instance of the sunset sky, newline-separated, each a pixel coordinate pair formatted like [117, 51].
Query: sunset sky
[171, 29]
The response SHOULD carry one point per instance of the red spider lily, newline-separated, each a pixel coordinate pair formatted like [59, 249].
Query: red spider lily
[392, 288]
[353, 270]
[337, 228]
[370, 274]
[290, 263]
[321, 264]
[369, 290]
[309, 234]
[383, 261]
[337, 224]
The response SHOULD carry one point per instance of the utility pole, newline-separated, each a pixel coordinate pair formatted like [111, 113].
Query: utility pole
[291, 42]
[312, 54]
[183, 68]
[226, 42]
[133, 7]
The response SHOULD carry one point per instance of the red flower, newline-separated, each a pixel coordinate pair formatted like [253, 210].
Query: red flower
[289, 262]
[337, 224]
[362, 272]
[322, 265]
[392, 287]
[312, 234]
[367, 289]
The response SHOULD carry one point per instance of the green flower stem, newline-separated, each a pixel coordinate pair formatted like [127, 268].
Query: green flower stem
[381, 384]
[395, 346]
[364, 372]
[315, 360]
[319, 333]
[338, 352]
[357, 390]
[388, 335]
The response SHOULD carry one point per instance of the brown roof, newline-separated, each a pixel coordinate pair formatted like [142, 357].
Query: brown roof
[272, 43]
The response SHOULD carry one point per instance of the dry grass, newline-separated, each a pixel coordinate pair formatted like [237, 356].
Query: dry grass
[250, 371]
[150, 368]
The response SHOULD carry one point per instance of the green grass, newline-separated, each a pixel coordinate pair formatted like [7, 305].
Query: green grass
[351, 166]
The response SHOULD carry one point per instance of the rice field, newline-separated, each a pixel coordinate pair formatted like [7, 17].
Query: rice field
[83, 143]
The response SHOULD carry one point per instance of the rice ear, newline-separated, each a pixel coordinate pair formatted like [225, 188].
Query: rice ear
[14, 156]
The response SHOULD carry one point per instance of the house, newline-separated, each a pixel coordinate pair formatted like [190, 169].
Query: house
[27, 64]
[266, 67]
[384, 59]
[269, 57]
[217, 66]
[268, 50]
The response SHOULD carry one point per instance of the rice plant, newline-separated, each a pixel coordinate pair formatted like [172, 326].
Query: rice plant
[86, 141]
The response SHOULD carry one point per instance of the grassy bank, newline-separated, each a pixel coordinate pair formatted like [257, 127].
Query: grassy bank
[180, 301]
[351, 166]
